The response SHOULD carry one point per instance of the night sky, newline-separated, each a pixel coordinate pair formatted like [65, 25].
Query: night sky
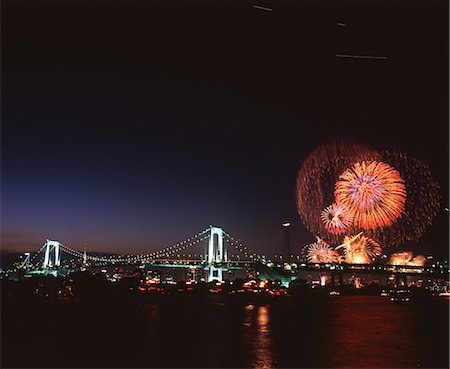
[131, 125]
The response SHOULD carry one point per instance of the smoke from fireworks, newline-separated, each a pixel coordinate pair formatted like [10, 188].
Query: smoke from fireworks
[318, 175]
[406, 258]
[359, 249]
[336, 219]
[318, 252]
[373, 193]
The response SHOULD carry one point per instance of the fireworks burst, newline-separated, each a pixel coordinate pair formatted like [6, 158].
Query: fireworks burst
[359, 249]
[318, 252]
[317, 177]
[336, 219]
[392, 202]
[406, 258]
[373, 193]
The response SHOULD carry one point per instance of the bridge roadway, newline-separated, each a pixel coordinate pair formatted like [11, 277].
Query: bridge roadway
[375, 269]
[294, 267]
[279, 271]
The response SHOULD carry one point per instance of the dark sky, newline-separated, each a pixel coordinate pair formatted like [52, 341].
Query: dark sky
[131, 125]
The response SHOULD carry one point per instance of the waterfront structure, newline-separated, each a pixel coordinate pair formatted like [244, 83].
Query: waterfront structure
[221, 258]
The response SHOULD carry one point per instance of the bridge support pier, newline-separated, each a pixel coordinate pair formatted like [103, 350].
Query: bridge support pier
[215, 274]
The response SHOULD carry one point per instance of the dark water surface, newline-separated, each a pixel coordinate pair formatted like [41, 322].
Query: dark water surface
[348, 331]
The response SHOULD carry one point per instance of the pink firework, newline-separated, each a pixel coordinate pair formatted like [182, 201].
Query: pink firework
[336, 219]
[319, 253]
[373, 193]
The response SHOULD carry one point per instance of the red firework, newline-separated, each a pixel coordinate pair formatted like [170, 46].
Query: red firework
[373, 193]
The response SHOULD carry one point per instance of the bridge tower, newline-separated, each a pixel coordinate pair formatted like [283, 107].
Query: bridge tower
[216, 253]
[84, 256]
[51, 247]
[26, 262]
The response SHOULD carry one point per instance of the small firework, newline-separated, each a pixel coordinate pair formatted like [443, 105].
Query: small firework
[359, 249]
[318, 252]
[406, 258]
[336, 219]
[373, 193]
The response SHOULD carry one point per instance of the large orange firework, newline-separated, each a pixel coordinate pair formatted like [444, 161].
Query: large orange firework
[359, 249]
[373, 193]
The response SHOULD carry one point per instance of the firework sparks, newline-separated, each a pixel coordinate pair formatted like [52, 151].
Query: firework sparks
[406, 258]
[336, 219]
[373, 193]
[422, 203]
[318, 252]
[359, 249]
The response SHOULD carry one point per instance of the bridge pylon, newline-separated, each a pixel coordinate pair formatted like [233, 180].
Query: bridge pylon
[84, 256]
[216, 253]
[51, 249]
[26, 261]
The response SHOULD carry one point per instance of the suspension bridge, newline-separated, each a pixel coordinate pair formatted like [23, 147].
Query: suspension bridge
[212, 249]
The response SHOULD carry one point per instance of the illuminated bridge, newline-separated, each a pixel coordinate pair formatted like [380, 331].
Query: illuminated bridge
[214, 251]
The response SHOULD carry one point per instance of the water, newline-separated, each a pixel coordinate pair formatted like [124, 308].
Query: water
[345, 332]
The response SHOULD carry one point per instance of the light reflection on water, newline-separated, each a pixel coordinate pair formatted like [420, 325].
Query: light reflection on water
[263, 341]
[257, 336]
